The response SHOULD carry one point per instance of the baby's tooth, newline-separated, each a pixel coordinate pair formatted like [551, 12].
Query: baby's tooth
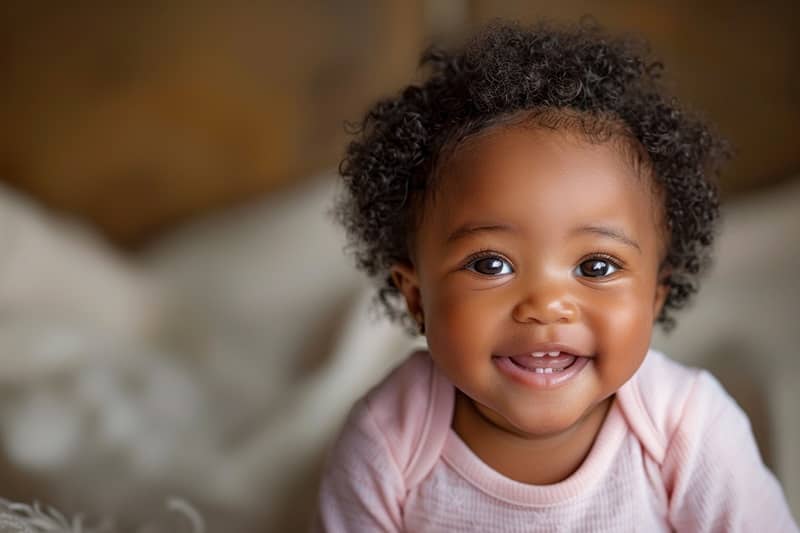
[553, 354]
[538, 354]
[548, 370]
[539, 370]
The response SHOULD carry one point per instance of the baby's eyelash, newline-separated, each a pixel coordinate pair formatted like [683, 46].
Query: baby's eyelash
[615, 262]
[480, 254]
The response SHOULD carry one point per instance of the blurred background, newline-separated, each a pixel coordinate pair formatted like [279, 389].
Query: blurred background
[176, 314]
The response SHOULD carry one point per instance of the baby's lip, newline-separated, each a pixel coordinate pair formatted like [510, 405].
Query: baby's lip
[545, 350]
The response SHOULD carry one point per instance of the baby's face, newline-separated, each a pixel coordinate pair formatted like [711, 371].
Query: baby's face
[537, 241]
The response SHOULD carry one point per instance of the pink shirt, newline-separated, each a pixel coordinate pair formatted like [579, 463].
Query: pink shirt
[674, 453]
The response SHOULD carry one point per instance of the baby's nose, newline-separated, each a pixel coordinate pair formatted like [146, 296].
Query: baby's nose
[546, 305]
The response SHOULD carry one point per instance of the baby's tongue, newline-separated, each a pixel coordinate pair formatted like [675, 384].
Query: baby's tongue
[560, 362]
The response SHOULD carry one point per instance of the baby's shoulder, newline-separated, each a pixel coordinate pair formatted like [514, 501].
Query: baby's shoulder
[654, 401]
[411, 409]
[400, 402]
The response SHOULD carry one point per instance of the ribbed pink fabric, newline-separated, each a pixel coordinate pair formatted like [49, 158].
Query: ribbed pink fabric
[674, 453]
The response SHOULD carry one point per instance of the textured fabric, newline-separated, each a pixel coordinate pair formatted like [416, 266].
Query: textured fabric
[674, 453]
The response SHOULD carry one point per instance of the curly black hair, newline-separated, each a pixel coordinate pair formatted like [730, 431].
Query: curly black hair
[506, 70]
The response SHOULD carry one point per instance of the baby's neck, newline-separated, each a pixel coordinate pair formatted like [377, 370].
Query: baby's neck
[533, 460]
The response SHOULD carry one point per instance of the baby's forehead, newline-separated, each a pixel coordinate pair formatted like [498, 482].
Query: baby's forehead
[569, 127]
[519, 172]
[489, 148]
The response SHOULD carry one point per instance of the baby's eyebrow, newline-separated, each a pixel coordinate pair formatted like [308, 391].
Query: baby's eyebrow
[611, 232]
[469, 229]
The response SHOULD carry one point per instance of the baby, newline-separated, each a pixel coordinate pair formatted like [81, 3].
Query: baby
[533, 208]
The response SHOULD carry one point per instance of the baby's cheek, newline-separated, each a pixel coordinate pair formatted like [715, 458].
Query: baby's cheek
[623, 338]
[461, 324]
[451, 321]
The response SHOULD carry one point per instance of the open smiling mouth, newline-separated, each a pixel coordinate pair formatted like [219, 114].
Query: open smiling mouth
[542, 370]
[544, 362]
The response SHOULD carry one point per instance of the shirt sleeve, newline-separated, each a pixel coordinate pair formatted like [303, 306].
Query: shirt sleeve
[714, 472]
[362, 487]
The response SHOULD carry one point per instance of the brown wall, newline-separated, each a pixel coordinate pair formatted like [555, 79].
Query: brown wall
[137, 117]
[141, 116]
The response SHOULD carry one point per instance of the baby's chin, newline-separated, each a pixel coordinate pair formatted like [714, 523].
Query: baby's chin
[537, 423]
[540, 427]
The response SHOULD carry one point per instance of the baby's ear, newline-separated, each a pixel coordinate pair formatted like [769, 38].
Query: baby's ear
[662, 290]
[661, 296]
[404, 277]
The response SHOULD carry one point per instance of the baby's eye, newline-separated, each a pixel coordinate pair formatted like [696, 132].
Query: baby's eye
[596, 268]
[490, 266]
